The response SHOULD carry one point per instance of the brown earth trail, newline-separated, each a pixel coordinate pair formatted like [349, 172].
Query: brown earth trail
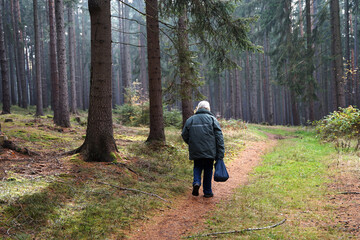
[188, 212]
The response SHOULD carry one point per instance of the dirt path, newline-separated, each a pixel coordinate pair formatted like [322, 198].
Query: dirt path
[188, 212]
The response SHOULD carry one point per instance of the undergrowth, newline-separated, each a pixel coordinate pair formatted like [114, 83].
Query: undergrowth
[290, 184]
[81, 200]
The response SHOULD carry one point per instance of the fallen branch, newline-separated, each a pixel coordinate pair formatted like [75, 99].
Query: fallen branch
[350, 193]
[125, 166]
[10, 145]
[239, 231]
[135, 190]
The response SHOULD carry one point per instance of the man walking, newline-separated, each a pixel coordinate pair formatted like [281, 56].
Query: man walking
[203, 134]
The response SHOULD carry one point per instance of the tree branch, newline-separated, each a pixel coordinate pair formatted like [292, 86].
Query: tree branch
[144, 14]
[135, 190]
[128, 44]
[239, 231]
[350, 193]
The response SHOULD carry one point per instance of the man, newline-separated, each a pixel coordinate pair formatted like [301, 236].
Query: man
[203, 134]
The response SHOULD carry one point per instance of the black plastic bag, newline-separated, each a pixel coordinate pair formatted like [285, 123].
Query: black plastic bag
[221, 174]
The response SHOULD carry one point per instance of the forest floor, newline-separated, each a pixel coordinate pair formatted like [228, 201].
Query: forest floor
[189, 213]
[61, 197]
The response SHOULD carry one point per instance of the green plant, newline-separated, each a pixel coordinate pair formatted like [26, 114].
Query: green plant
[341, 127]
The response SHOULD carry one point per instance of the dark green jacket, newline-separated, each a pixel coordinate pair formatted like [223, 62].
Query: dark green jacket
[203, 134]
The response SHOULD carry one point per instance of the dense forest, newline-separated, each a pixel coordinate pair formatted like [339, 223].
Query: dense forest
[275, 61]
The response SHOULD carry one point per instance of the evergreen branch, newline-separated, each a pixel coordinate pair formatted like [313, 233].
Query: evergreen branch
[239, 231]
[129, 44]
[144, 14]
[129, 19]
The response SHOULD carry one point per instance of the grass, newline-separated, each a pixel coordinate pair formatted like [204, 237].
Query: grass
[291, 183]
[73, 205]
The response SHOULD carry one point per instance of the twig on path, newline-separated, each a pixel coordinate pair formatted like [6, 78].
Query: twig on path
[125, 166]
[350, 193]
[239, 231]
[135, 190]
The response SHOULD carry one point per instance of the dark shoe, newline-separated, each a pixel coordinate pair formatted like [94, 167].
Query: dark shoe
[208, 195]
[195, 191]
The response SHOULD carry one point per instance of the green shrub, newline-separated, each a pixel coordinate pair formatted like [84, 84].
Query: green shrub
[341, 127]
[139, 114]
[173, 118]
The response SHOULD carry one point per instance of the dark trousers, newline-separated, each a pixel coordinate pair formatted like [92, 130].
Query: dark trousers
[207, 166]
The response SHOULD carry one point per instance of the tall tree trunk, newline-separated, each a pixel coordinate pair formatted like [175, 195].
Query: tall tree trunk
[20, 54]
[39, 103]
[64, 115]
[71, 32]
[248, 87]
[79, 60]
[30, 85]
[349, 97]
[155, 92]
[53, 63]
[238, 102]
[184, 69]
[309, 60]
[99, 142]
[128, 72]
[142, 56]
[254, 91]
[84, 69]
[4, 68]
[15, 51]
[356, 51]
[337, 53]
[44, 83]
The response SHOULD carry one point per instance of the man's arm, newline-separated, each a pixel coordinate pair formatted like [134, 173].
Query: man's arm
[220, 146]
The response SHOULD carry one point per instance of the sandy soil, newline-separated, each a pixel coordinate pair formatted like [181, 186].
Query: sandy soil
[189, 212]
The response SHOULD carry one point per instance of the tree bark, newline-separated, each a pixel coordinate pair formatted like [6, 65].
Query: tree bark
[99, 142]
[337, 53]
[71, 32]
[254, 91]
[184, 69]
[39, 103]
[310, 67]
[238, 102]
[20, 55]
[155, 92]
[4, 69]
[64, 115]
[53, 63]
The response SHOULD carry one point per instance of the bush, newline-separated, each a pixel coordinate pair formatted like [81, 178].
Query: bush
[133, 114]
[138, 115]
[341, 127]
[173, 118]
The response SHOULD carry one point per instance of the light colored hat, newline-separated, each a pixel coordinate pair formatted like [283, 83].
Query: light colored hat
[204, 104]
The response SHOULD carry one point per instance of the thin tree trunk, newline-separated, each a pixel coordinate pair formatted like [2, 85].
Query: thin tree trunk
[44, 85]
[128, 72]
[53, 63]
[349, 97]
[64, 115]
[155, 92]
[4, 68]
[20, 54]
[238, 102]
[71, 32]
[310, 67]
[39, 103]
[79, 72]
[254, 91]
[183, 48]
[337, 53]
